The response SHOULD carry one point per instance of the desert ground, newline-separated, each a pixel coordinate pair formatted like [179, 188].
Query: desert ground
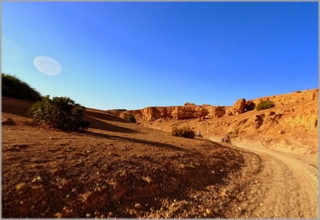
[118, 169]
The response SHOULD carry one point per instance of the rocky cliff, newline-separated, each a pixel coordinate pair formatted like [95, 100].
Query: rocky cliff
[291, 123]
[191, 111]
[177, 112]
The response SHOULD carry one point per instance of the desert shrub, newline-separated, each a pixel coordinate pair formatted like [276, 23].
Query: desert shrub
[183, 132]
[13, 87]
[131, 118]
[175, 132]
[59, 112]
[264, 105]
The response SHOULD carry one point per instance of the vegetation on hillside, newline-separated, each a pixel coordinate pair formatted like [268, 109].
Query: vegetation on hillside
[131, 118]
[59, 112]
[184, 131]
[265, 105]
[13, 87]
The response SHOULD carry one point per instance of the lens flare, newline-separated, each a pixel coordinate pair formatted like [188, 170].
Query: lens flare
[11, 50]
[47, 65]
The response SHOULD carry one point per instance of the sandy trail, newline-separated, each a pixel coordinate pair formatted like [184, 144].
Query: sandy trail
[288, 184]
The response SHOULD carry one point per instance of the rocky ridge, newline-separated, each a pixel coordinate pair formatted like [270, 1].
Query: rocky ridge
[292, 123]
[190, 110]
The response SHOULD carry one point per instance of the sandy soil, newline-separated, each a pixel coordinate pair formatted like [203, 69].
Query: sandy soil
[120, 169]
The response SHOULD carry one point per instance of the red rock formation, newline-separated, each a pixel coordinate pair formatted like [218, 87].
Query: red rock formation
[249, 106]
[216, 111]
[239, 106]
[190, 110]
[293, 121]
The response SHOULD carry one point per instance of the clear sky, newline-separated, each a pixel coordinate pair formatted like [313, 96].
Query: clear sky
[109, 55]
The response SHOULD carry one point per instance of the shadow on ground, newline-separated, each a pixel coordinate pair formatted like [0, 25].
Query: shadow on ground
[135, 140]
[104, 116]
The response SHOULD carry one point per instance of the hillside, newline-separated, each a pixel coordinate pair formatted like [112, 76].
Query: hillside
[290, 126]
[116, 169]
[119, 169]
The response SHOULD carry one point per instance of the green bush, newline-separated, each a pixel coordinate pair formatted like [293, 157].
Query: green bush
[59, 112]
[15, 88]
[131, 118]
[264, 105]
[183, 132]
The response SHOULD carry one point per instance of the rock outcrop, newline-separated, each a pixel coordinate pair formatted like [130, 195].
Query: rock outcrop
[188, 111]
[239, 106]
[249, 106]
[205, 111]
[292, 124]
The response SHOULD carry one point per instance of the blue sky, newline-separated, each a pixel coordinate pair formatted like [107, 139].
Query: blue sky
[134, 55]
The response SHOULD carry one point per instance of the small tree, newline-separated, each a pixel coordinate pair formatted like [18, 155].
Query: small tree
[265, 105]
[60, 112]
[131, 118]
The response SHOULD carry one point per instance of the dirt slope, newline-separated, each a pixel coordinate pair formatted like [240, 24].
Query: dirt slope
[115, 169]
[102, 173]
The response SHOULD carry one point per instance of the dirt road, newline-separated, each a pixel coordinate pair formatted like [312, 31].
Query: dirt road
[287, 184]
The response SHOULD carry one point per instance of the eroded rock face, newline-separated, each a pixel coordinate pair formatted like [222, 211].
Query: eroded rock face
[239, 106]
[150, 113]
[217, 112]
[293, 121]
[229, 111]
[249, 106]
[190, 110]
